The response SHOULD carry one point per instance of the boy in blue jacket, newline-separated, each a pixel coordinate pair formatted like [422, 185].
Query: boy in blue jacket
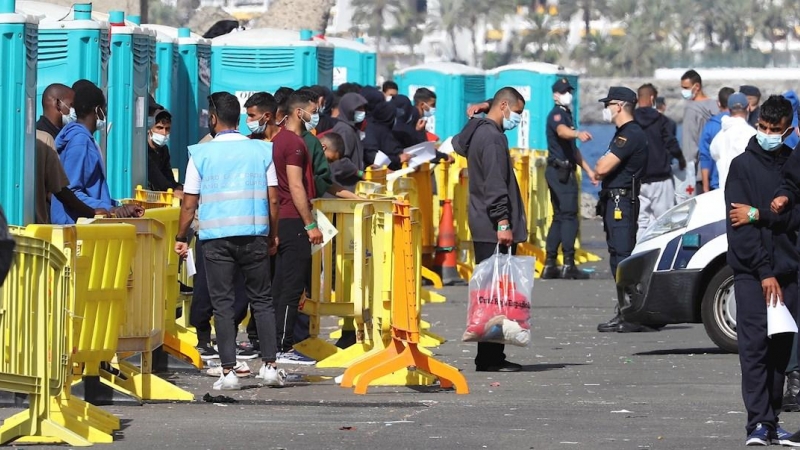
[82, 160]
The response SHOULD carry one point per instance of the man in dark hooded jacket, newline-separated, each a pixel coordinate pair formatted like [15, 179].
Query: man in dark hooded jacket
[379, 137]
[326, 121]
[405, 127]
[657, 193]
[496, 213]
[352, 112]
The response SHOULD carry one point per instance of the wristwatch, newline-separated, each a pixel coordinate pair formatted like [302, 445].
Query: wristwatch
[181, 239]
[752, 214]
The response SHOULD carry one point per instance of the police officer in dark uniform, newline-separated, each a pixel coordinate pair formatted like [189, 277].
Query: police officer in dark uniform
[621, 169]
[563, 158]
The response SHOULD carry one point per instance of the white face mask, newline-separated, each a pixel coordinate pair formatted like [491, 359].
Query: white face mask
[101, 123]
[388, 98]
[686, 94]
[565, 99]
[359, 116]
[67, 119]
[159, 140]
[607, 116]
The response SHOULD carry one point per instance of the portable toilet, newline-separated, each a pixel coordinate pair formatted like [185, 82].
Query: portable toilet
[456, 87]
[17, 136]
[128, 81]
[264, 59]
[535, 82]
[164, 79]
[72, 46]
[353, 62]
[184, 89]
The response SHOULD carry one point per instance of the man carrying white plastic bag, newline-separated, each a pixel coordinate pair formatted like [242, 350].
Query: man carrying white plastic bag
[496, 213]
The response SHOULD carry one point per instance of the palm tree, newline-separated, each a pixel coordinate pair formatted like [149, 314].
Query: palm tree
[372, 14]
[448, 19]
[409, 26]
[481, 12]
[589, 9]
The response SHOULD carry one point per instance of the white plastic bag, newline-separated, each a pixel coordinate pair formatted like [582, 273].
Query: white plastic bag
[500, 294]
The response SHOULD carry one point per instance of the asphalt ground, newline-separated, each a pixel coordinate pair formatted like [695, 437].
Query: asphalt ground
[580, 389]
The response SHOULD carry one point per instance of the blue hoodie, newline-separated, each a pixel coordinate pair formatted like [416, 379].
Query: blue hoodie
[83, 164]
[710, 130]
[793, 139]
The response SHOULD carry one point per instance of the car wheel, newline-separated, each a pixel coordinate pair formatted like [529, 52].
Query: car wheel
[718, 310]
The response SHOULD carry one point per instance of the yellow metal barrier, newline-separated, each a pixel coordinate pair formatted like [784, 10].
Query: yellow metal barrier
[465, 254]
[404, 351]
[376, 175]
[367, 188]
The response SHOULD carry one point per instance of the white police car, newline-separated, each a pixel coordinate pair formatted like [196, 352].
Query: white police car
[678, 271]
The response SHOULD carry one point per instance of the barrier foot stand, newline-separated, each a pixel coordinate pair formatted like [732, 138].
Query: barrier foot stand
[343, 358]
[163, 362]
[80, 423]
[13, 399]
[430, 340]
[23, 428]
[182, 350]
[92, 415]
[99, 392]
[148, 386]
[338, 333]
[316, 348]
[582, 256]
[428, 296]
[464, 270]
[402, 377]
[432, 276]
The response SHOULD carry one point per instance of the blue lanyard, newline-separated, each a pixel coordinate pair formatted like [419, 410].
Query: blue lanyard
[227, 132]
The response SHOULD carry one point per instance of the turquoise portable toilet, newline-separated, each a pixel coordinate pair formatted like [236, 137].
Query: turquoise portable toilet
[353, 62]
[184, 89]
[264, 59]
[128, 82]
[17, 103]
[165, 55]
[456, 87]
[535, 82]
[72, 46]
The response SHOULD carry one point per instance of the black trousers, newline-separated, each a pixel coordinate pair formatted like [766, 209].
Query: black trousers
[763, 359]
[564, 229]
[489, 353]
[620, 233]
[201, 311]
[292, 277]
[248, 255]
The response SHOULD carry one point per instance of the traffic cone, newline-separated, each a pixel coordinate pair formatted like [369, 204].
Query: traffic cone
[445, 262]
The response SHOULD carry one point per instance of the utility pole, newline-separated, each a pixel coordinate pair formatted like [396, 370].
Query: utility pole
[143, 4]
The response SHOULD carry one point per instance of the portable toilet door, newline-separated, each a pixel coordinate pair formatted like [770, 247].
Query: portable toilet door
[264, 59]
[456, 87]
[353, 62]
[17, 135]
[535, 82]
[164, 66]
[128, 81]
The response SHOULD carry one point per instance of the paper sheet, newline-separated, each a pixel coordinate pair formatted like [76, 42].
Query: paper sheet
[420, 153]
[191, 269]
[399, 173]
[327, 229]
[780, 320]
[381, 159]
[447, 146]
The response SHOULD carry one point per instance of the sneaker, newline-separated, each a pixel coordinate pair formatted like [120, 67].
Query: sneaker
[271, 375]
[784, 438]
[242, 370]
[759, 437]
[292, 357]
[207, 352]
[246, 351]
[229, 382]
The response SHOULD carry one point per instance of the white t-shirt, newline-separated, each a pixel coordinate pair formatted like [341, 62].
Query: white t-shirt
[192, 183]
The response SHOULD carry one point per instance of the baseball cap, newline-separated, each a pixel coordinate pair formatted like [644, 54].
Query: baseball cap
[747, 89]
[737, 100]
[562, 86]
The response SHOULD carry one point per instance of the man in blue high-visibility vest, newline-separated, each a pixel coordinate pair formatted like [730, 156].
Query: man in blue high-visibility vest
[229, 177]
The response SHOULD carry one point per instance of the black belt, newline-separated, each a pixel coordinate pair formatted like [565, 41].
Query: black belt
[606, 193]
[559, 164]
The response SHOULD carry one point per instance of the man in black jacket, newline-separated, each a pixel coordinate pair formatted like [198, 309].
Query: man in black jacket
[764, 259]
[657, 193]
[159, 165]
[496, 214]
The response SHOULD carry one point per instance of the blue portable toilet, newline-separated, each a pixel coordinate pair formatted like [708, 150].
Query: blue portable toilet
[128, 82]
[184, 89]
[535, 82]
[165, 55]
[72, 46]
[353, 62]
[456, 87]
[17, 102]
[264, 59]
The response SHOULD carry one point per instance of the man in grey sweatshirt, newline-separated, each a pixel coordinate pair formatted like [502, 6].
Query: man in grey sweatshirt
[352, 112]
[496, 214]
[698, 110]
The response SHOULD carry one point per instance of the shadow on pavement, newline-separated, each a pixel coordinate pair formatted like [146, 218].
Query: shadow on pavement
[684, 351]
[546, 367]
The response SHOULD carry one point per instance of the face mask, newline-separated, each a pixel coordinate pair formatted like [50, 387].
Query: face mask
[512, 122]
[769, 142]
[159, 140]
[607, 116]
[429, 113]
[101, 123]
[686, 93]
[565, 99]
[67, 119]
[359, 116]
[388, 98]
[310, 125]
[256, 126]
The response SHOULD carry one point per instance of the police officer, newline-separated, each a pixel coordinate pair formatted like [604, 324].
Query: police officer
[563, 158]
[620, 170]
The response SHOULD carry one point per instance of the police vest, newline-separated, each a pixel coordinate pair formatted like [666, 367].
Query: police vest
[233, 187]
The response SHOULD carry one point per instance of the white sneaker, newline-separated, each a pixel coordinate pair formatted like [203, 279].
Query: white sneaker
[229, 382]
[241, 369]
[271, 375]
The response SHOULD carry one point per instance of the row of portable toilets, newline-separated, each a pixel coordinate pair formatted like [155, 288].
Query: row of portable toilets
[44, 43]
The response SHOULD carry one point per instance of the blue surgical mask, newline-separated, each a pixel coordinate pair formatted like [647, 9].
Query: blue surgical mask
[359, 116]
[513, 120]
[256, 126]
[769, 142]
[159, 140]
[312, 123]
[429, 112]
[67, 119]
[686, 93]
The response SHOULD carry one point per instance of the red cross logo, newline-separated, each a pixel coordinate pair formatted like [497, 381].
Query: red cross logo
[690, 189]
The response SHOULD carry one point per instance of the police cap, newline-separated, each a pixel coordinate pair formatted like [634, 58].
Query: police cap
[562, 86]
[619, 93]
